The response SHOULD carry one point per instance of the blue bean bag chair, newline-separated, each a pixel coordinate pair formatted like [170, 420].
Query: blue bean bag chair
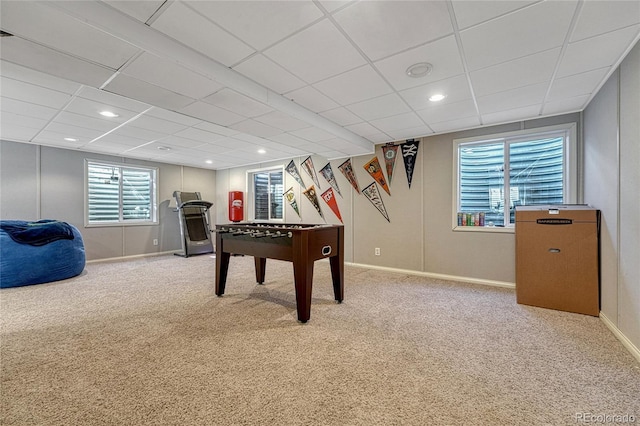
[39, 252]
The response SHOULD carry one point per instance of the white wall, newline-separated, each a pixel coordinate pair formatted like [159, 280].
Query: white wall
[612, 182]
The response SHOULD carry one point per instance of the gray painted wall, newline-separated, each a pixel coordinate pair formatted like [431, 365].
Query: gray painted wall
[612, 179]
[39, 182]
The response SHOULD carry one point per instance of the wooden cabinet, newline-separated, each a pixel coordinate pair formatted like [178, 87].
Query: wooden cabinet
[557, 257]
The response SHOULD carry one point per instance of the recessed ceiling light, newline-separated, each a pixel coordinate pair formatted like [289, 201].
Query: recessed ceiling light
[437, 97]
[262, 151]
[209, 162]
[108, 114]
[420, 69]
[164, 148]
[71, 139]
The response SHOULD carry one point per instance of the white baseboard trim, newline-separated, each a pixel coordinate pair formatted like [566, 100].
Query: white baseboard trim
[620, 336]
[493, 283]
[132, 257]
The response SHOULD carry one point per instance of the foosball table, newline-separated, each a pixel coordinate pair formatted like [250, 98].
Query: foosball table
[300, 244]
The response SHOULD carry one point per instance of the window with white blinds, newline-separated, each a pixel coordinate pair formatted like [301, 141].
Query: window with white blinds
[266, 194]
[120, 194]
[495, 174]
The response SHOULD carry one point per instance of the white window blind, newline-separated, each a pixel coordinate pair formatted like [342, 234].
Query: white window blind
[119, 194]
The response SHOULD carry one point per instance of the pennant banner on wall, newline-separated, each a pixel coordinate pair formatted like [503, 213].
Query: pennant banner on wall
[293, 171]
[307, 165]
[290, 196]
[373, 195]
[327, 172]
[313, 197]
[329, 198]
[373, 167]
[409, 153]
[347, 171]
[390, 151]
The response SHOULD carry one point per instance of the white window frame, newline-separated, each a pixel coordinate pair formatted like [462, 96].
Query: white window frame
[570, 167]
[121, 222]
[251, 200]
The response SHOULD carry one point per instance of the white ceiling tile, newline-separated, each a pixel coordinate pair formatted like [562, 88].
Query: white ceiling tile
[437, 112]
[454, 125]
[536, 68]
[20, 73]
[26, 108]
[259, 23]
[596, 52]
[512, 99]
[238, 103]
[27, 92]
[363, 129]
[152, 95]
[271, 75]
[518, 34]
[171, 76]
[397, 122]
[12, 132]
[383, 28]
[442, 54]
[455, 89]
[384, 106]
[312, 99]
[142, 10]
[313, 134]
[106, 99]
[211, 113]
[411, 133]
[256, 128]
[510, 115]
[44, 59]
[57, 139]
[89, 122]
[341, 116]
[565, 105]
[174, 117]
[140, 133]
[179, 142]
[68, 131]
[599, 17]
[316, 53]
[149, 122]
[214, 128]
[379, 138]
[8, 118]
[354, 86]
[60, 31]
[281, 121]
[199, 135]
[92, 109]
[290, 140]
[575, 85]
[194, 30]
[332, 5]
[472, 12]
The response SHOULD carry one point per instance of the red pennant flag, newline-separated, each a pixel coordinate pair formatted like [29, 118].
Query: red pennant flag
[390, 151]
[329, 198]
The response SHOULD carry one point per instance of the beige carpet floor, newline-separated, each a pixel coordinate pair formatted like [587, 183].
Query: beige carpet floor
[146, 342]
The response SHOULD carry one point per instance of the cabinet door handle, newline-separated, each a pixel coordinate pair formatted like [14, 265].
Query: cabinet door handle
[554, 250]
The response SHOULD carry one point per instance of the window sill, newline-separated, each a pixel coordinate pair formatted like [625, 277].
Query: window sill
[492, 229]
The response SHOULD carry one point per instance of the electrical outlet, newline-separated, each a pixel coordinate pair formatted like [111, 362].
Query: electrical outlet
[155, 242]
[377, 251]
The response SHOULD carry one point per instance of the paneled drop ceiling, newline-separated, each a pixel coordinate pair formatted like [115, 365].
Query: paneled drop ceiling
[209, 83]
